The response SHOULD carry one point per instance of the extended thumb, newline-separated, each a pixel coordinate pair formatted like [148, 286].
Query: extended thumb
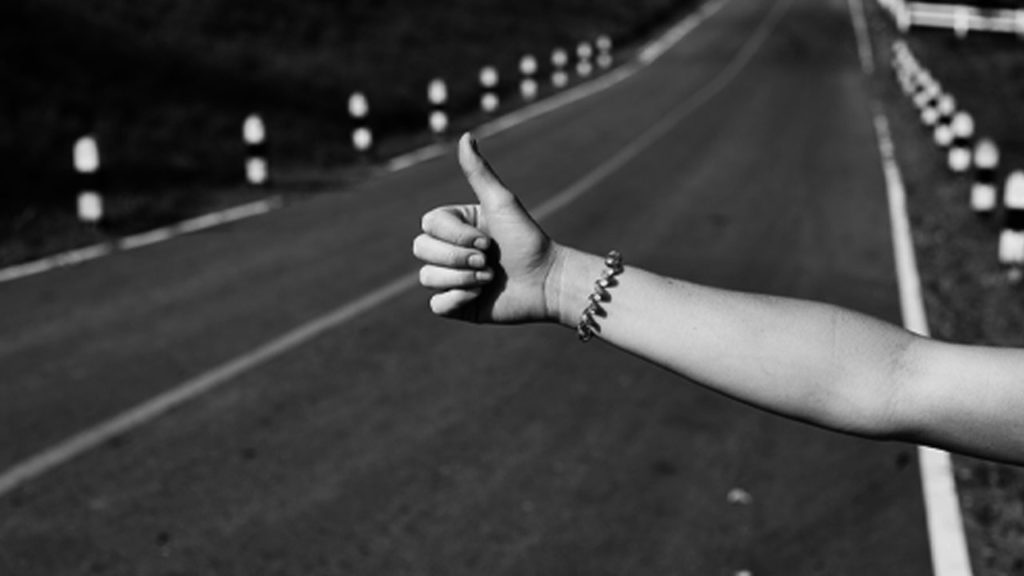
[485, 183]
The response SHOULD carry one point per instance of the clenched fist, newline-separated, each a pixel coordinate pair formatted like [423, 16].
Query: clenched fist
[487, 262]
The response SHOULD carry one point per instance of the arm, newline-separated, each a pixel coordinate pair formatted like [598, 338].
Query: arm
[813, 362]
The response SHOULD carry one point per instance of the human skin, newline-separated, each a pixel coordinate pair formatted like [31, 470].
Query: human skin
[490, 262]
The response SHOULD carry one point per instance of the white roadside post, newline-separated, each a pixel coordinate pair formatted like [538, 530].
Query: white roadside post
[1011, 239]
[604, 52]
[959, 157]
[903, 67]
[559, 60]
[362, 135]
[930, 112]
[922, 92]
[489, 89]
[584, 52]
[921, 95]
[86, 159]
[437, 95]
[904, 19]
[984, 193]
[961, 21]
[254, 136]
[528, 85]
[943, 133]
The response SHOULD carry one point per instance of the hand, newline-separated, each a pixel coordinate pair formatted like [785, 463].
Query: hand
[488, 262]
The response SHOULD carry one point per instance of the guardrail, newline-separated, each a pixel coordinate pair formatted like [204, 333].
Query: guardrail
[960, 18]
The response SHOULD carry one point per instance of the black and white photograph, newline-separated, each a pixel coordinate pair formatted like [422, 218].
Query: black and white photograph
[512, 288]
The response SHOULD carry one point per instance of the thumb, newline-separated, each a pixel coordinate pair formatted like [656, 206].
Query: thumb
[485, 183]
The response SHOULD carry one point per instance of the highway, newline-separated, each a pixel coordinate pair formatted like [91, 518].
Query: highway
[394, 442]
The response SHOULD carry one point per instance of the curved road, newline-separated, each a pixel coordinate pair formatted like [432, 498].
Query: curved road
[397, 443]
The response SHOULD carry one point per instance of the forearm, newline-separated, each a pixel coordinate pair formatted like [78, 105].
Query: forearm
[814, 362]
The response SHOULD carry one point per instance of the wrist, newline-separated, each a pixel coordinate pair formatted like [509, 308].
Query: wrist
[569, 283]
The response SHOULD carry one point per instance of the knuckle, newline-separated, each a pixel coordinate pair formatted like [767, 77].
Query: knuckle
[466, 235]
[452, 257]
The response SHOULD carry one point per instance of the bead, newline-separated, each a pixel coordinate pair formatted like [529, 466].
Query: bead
[584, 332]
[614, 260]
[588, 325]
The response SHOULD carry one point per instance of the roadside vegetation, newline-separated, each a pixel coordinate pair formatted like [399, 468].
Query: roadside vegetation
[165, 84]
[968, 296]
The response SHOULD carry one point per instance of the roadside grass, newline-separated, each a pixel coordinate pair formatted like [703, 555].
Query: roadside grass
[967, 295]
[165, 85]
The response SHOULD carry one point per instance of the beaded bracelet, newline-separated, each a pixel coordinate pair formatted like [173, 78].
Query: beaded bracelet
[588, 323]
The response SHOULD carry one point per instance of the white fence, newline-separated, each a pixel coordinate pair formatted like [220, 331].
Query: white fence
[961, 19]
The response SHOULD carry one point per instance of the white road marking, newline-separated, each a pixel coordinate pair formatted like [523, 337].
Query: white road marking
[58, 261]
[946, 536]
[95, 251]
[647, 56]
[146, 238]
[945, 523]
[860, 28]
[90, 438]
[652, 52]
[670, 120]
[140, 414]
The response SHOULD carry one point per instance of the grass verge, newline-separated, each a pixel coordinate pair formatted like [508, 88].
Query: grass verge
[165, 85]
[967, 295]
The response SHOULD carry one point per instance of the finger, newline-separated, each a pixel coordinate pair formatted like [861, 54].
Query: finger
[451, 224]
[451, 302]
[438, 252]
[485, 183]
[441, 278]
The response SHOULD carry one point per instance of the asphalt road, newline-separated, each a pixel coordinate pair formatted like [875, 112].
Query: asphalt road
[398, 443]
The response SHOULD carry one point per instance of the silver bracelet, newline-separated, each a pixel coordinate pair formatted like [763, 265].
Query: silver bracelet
[588, 326]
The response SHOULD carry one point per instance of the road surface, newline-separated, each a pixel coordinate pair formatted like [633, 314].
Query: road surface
[397, 443]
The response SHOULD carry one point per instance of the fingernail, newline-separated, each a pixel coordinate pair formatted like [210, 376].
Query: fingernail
[481, 243]
[477, 261]
[485, 275]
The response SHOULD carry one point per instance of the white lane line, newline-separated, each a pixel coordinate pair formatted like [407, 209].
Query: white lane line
[94, 436]
[148, 238]
[672, 118]
[657, 49]
[57, 261]
[946, 536]
[145, 238]
[654, 50]
[416, 157]
[860, 28]
[942, 506]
